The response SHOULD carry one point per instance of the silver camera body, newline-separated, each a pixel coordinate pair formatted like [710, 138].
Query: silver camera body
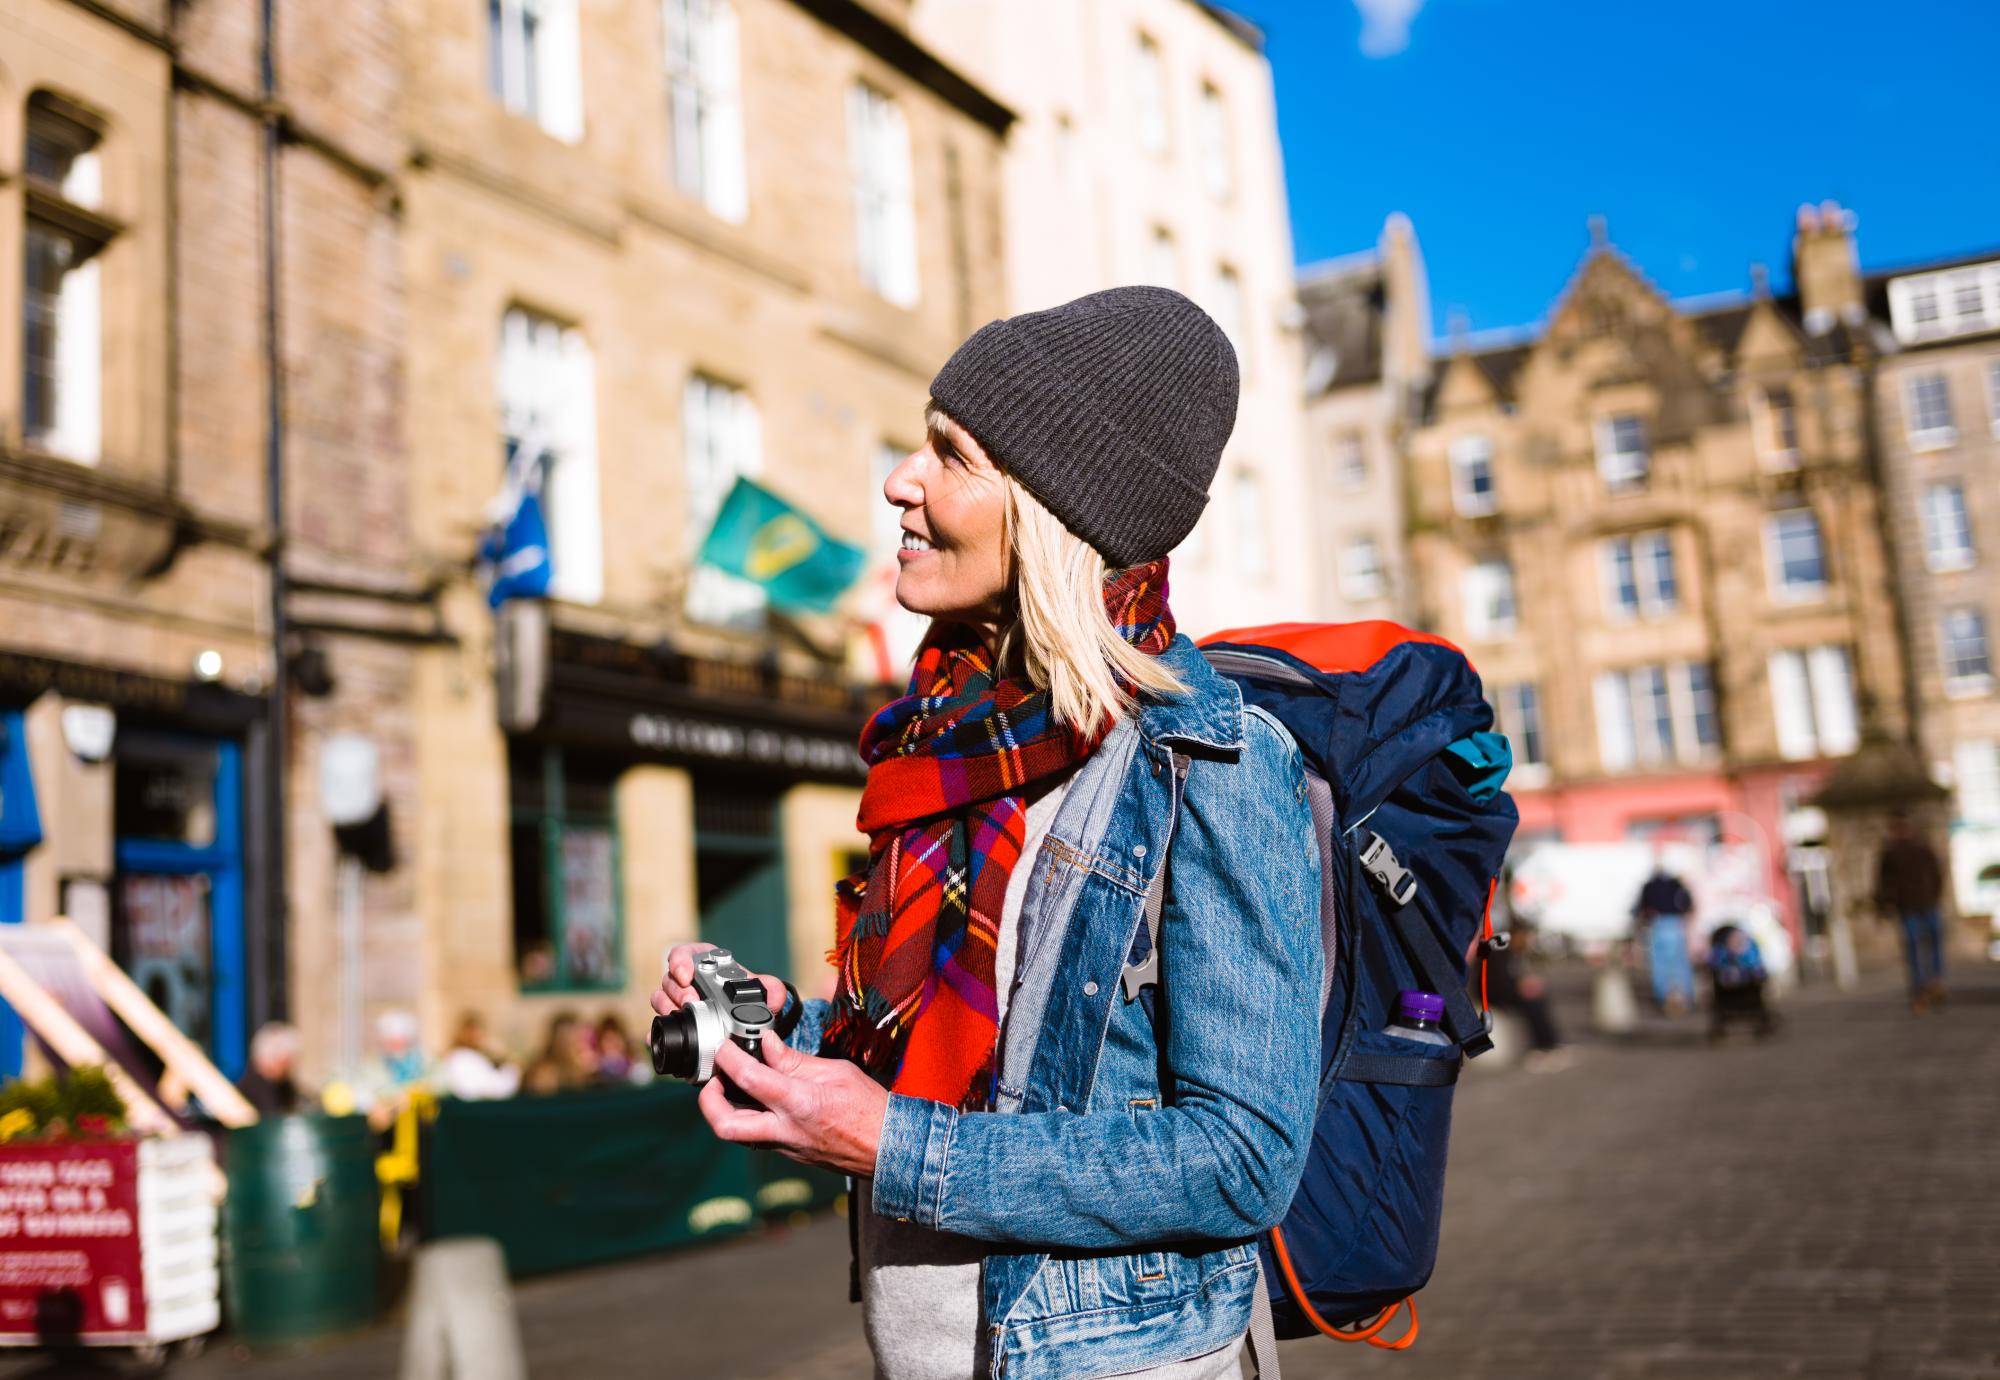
[730, 1004]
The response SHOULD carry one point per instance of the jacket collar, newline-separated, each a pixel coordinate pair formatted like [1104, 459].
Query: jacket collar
[1209, 714]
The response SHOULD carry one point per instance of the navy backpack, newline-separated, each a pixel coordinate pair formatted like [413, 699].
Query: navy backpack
[1404, 777]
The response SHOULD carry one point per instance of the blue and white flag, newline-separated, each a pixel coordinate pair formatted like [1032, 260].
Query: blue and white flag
[514, 554]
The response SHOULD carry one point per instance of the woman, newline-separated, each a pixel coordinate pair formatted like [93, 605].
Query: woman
[1055, 1180]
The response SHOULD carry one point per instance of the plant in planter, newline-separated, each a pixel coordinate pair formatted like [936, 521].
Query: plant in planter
[78, 1105]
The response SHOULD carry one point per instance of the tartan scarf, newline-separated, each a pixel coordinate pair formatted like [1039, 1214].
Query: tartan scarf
[950, 766]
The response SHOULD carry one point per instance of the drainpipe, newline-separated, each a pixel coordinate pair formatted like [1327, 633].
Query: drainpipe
[268, 996]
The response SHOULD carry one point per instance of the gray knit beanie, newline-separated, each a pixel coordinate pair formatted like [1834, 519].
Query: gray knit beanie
[1112, 410]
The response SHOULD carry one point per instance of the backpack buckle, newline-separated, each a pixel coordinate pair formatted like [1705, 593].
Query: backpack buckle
[1379, 860]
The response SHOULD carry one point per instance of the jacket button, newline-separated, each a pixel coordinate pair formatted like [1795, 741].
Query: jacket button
[1138, 850]
[1090, 989]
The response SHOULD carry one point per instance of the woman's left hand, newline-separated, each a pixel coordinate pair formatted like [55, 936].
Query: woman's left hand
[816, 1111]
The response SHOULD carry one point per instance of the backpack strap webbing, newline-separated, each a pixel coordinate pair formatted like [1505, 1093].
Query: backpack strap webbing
[1401, 1070]
[1263, 1333]
[1462, 1020]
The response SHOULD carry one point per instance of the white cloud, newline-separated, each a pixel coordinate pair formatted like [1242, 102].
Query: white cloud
[1385, 25]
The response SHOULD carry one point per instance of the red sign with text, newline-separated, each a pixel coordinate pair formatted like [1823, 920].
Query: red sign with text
[69, 1240]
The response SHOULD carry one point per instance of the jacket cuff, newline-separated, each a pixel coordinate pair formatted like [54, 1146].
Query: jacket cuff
[911, 1158]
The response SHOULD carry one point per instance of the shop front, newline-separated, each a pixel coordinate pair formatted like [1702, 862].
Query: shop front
[126, 803]
[759, 783]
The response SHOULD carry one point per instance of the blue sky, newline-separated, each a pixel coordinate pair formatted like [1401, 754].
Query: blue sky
[1695, 126]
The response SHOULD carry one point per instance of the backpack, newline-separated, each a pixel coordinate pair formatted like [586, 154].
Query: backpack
[1404, 777]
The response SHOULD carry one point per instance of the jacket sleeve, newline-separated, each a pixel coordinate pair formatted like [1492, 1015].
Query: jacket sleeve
[1239, 1003]
[806, 1035]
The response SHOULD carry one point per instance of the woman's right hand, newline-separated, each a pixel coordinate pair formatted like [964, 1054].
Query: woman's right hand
[676, 987]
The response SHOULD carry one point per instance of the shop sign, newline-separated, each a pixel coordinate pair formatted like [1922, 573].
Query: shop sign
[23, 677]
[691, 736]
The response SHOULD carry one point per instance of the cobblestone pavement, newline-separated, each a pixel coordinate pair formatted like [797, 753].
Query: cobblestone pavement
[1825, 1205]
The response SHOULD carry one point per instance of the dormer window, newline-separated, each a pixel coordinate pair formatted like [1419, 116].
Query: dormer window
[1624, 456]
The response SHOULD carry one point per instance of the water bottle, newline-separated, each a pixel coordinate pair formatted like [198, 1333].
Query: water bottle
[1417, 1016]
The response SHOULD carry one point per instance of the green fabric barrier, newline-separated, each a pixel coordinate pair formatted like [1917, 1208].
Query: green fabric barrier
[578, 1178]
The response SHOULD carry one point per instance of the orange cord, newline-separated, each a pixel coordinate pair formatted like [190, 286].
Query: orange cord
[1486, 945]
[1290, 1278]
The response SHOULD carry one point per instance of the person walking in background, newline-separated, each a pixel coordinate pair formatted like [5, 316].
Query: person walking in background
[268, 1084]
[381, 1087]
[470, 1071]
[1909, 884]
[1737, 974]
[1662, 912]
[1514, 983]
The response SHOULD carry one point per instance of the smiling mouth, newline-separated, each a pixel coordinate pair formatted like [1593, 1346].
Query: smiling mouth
[913, 542]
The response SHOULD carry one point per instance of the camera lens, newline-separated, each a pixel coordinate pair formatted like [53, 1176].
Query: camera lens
[675, 1046]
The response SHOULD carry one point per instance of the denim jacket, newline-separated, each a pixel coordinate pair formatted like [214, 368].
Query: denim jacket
[1132, 1160]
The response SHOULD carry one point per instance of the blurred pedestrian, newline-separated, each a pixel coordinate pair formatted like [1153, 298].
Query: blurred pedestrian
[616, 1062]
[1516, 983]
[1663, 911]
[471, 1071]
[380, 1088]
[1909, 884]
[566, 1060]
[1737, 978]
[269, 1084]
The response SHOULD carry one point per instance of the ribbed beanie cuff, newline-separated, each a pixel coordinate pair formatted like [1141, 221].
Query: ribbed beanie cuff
[1113, 410]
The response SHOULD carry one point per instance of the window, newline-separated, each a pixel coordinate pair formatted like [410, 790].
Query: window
[703, 104]
[1777, 424]
[1968, 664]
[1217, 169]
[1649, 715]
[1993, 395]
[1956, 301]
[533, 62]
[1947, 531]
[1150, 97]
[61, 324]
[1350, 460]
[1792, 549]
[1639, 575]
[1812, 703]
[1622, 454]
[1229, 313]
[548, 407]
[1928, 398]
[568, 901]
[1489, 600]
[722, 440]
[1976, 777]
[1472, 476]
[1253, 551]
[1162, 264]
[1519, 711]
[1361, 575]
[878, 150]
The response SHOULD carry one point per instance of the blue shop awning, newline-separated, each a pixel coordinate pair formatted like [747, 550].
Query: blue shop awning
[20, 821]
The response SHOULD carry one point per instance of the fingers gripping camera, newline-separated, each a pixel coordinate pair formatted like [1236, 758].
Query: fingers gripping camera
[729, 1004]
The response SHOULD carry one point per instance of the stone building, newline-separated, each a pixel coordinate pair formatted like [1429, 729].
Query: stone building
[1147, 152]
[203, 373]
[1937, 410]
[1368, 366]
[651, 247]
[1654, 528]
[300, 282]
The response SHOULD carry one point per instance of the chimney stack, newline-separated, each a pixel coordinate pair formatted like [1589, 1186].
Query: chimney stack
[1825, 269]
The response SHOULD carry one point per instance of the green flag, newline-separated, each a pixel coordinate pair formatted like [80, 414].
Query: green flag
[759, 537]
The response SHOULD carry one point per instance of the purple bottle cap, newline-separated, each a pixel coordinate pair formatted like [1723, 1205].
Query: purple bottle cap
[1419, 1006]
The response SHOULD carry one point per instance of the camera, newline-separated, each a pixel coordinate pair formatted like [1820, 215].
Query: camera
[729, 1004]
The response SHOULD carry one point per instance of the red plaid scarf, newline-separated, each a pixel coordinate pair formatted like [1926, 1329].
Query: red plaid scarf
[950, 766]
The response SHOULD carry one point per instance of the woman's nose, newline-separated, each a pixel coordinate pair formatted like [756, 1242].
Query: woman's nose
[904, 487]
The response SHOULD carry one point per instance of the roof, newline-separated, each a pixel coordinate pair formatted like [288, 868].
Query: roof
[1246, 33]
[894, 45]
[1344, 302]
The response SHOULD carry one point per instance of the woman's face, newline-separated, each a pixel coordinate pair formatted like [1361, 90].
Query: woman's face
[953, 563]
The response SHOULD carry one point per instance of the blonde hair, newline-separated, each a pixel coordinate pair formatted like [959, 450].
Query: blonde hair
[1056, 632]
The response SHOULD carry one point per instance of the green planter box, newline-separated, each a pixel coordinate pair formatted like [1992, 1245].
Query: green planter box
[299, 1228]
